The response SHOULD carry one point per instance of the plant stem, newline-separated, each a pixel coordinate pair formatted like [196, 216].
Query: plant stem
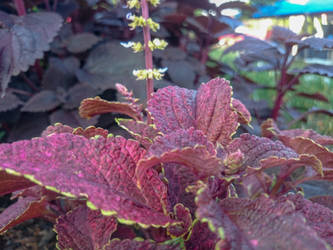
[148, 52]
[20, 7]
[47, 5]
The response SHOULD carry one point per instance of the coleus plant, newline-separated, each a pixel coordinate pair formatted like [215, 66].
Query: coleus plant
[184, 182]
[278, 54]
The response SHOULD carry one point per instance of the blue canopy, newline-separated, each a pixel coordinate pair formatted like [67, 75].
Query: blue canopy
[290, 7]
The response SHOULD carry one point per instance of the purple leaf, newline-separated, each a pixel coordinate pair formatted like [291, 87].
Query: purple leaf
[201, 237]
[317, 69]
[249, 44]
[23, 40]
[43, 101]
[326, 201]
[57, 128]
[281, 34]
[83, 228]
[81, 42]
[90, 132]
[244, 116]
[136, 244]
[100, 170]
[77, 93]
[10, 183]
[182, 214]
[257, 224]
[72, 118]
[9, 101]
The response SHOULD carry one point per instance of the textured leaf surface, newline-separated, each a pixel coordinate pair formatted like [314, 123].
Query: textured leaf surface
[326, 201]
[269, 129]
[209, 109]
[96, 106]
[141, 131]
[186, 147]
[317, 43]
[83, 228]
[9, 101]
[57, 128]
[72, 118]
[91, 132]
[45, 100]
[10, 183]
[256, 148]
[23, 40]
[182, 214]
[24, 209]
[102, 170]
[138, 245]
[259, 224]
[201, 237]
[318, 217]
[244, 116]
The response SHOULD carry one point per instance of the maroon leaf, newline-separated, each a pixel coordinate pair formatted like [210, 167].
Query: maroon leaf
[81, 42]
[257, 224]
[244, 116]
[182, 214]
[91, 132]
[326, 201]
[77, 93]
[256, 148]
[136, 244]
[10, 183]
[45, 100]
[269, 129]
[100, 170]
[57, 128]
[282, 34]
[318, 217]
[209, 109]
[95, 106]
[317, 69]
[186, 147]
[9, 101]
[23, 40]
[83, 228]
[201, 237]
[315, 96]
[141, 131]
[24, 209]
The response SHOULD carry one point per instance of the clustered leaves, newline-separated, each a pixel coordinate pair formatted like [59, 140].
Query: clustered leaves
[183, 183]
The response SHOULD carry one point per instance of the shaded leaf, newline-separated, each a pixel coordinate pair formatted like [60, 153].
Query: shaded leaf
[250, 44]
[10, 183]
[81, 42]
[281, 34]
[24, 209]
[201, 237]
[96, 106]
[257, 224]
[77, 93]
[91, 131]
[244, 116]
[316, 96]
[269, 129]
[136, 244]
[9, 101]
[100, 170]
[182, 214]
[45, 100]
[24, 40]
[180, 72]
[317, 43]
[72, 118]
[83, 228]
[141, 131]
[326, 201]
[317, 69]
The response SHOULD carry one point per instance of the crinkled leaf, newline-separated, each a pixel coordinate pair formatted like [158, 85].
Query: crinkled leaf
[307, 146]
[256, 148]
[96, 106]
[244, 116]
[186, 147]
[81, 42]
[102, 170]
[77, 93]
[10, 183]
[83, 228]
[317, 69]
[136, 244]
[57, 128]
[45, 100]
[209, 109]
[257, 224]
[201, 237]
[9, 101]
[269, 129]
[182, 214]
[326, 201]
[318, 217]
[23, 40]
[24, 209]
[141, 131]
[91, 131]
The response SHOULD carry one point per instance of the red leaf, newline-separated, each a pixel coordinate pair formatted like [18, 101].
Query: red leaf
[45, 100]
[201, 237]
[99, 170]
[244, 116]
[136, 244]
[10, 183]
[326, 201]
[23, 40]
[182, 214]
[57, 128]
[83, 228]
[91, 132]
[96, 106]
[24, 209]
